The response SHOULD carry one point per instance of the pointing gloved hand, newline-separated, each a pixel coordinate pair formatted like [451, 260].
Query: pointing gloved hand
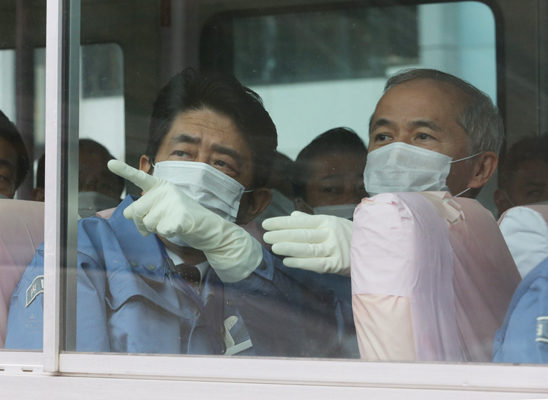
[319, 243]
[165, 210]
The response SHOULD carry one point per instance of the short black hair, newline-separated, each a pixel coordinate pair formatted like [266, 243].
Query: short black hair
[334, 141]
[10, 134]
[190, 91]
[531, 148]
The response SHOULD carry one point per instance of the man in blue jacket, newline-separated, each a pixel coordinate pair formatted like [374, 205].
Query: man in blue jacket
[171, 271]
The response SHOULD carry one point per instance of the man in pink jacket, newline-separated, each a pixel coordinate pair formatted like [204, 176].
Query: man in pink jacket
[430, 132]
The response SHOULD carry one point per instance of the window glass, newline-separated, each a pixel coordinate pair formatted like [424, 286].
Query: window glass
[101, 127]
[102, 97]
[182, 264]
[332, 66]
[21, 146]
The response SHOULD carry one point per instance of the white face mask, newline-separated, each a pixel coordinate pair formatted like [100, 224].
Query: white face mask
[91, 202]
[401, 167]
[214, 190]
[4, 197]
[341, 210]
[205, 184]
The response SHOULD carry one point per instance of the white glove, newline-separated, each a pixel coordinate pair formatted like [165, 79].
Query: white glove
[319, 243]
[166, 211]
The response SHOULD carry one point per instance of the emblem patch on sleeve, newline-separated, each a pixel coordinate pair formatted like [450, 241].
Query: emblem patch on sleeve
[35, 288]
[542, 329]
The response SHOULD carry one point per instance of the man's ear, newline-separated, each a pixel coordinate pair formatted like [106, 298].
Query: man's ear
[145, 164]
[484, 168]
[501, 200]
[302, 206]
[259, 200]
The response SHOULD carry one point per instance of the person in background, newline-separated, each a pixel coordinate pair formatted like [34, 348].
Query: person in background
[98, 188]
[329, 174]
[21, 222]
[14, 159]
[521, 199]
[39, 194]
[280, 184]
[523, 175]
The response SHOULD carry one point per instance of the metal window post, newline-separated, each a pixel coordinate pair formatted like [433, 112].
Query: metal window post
[61, 180]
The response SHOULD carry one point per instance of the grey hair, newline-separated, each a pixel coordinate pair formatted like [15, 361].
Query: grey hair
[480, 118]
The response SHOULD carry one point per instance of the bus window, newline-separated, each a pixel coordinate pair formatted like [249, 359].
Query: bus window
[22, 111]
[319, 70]
[189, 263]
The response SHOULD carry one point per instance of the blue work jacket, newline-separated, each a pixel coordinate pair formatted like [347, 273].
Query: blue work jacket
[523, 337]
[129, 300]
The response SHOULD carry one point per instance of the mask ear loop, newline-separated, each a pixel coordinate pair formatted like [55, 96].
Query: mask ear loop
[467, 158]
[464, 191]
[508, 198]
[462, 159]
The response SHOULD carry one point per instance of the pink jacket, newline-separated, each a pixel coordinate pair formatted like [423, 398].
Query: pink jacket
[432, 278]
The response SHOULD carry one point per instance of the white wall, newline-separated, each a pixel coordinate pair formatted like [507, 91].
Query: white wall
[303, 111]
[7, 83]
[102, 119]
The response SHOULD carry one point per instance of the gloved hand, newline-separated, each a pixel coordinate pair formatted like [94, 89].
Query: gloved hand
[166, 211]
[319, 243]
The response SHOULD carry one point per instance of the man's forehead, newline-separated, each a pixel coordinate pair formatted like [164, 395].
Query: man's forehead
[418, 102]
[425, 90]
[203, 122]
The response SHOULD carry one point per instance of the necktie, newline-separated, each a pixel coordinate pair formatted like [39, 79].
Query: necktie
[189, 273]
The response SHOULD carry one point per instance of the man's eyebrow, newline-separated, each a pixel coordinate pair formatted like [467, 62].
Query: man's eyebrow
[229, 151]
[425, 124]
[185, 138]
[381, 122]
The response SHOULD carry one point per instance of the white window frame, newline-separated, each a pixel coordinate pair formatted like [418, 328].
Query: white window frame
[29, 374]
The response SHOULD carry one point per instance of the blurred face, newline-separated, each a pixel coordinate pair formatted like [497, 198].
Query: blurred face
[336, 179]
[94, 175]
[528, 186]
[425, 114]
[8, 165]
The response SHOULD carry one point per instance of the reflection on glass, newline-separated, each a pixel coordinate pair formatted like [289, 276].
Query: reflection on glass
[21, 144]
[185, 268]
[102, 95]
[21, 222]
